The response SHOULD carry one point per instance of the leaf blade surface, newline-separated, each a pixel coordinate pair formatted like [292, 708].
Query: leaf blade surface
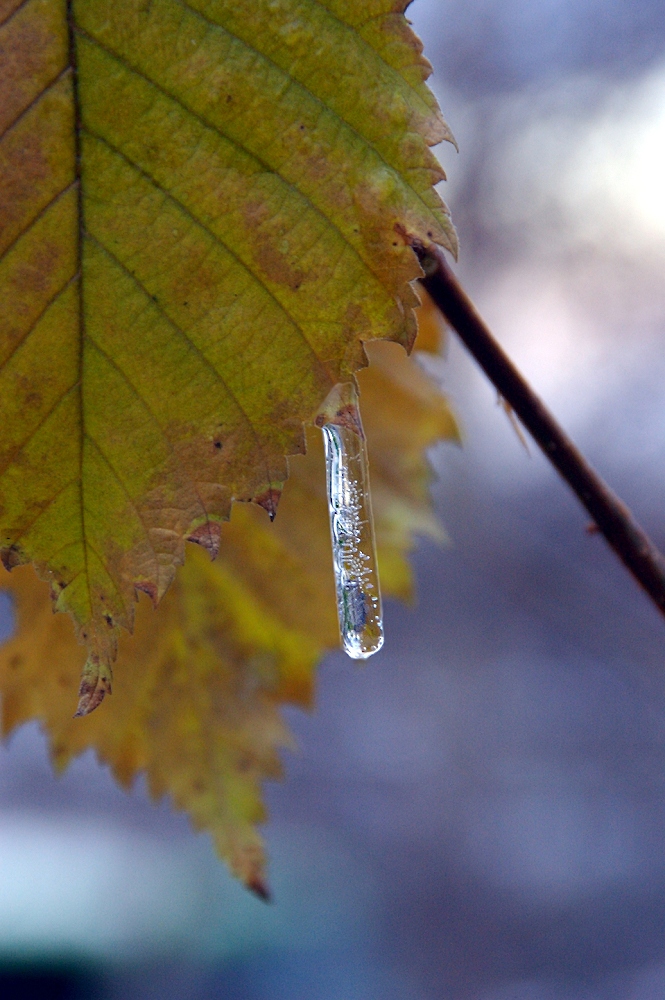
[205, 212]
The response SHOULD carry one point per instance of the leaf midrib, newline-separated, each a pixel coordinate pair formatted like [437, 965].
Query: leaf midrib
[73, 63]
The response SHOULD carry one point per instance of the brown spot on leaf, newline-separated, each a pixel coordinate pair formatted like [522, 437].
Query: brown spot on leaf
[27, 167]
[277, 266]
[317, 166]
[356, 323]
[30, 58]
[276, 263]
[36, 276]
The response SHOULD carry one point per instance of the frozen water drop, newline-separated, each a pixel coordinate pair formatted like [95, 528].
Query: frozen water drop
[352, 527]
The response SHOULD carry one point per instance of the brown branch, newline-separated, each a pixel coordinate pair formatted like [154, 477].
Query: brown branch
[610, 514]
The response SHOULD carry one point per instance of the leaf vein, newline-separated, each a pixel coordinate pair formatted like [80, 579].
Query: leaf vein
[24, 3]
[32, 523]
[42, 212]
[116, 476]
[62, 548]
[54, 298]
[17, 451]
[35, 100]
[88, 545]
[77, 574]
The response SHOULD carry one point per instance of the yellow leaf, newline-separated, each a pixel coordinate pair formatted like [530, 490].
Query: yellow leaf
[200, 681]
[206, 208]
[432, 327]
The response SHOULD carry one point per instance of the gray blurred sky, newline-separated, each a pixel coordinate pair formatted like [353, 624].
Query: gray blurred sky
[477, 813]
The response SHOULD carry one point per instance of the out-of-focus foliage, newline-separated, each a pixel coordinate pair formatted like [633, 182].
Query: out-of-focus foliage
[199, 683]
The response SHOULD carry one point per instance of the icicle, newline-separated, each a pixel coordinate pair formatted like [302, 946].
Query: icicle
[351, 525]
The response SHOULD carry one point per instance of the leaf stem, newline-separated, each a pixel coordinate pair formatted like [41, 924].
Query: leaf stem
[610, 514]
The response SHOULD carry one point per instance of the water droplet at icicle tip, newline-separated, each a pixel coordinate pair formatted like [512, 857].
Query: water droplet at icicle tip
[352, 525]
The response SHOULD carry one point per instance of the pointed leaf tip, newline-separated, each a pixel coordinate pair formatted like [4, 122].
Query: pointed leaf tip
[208, 535]
[96, 681]
[260, 889]
[10, 558]
[269, 501]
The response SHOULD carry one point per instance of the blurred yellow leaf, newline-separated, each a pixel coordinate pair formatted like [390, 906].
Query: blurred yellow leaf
[200, 681]
[206, 208]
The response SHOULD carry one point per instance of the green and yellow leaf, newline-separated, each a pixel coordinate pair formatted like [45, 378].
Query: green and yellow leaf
[206, 209]
[200, 682]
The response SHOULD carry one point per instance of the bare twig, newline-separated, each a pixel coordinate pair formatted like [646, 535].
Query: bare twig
[610, 514]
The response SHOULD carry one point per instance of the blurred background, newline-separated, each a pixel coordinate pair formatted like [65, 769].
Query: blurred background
[479, 812]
